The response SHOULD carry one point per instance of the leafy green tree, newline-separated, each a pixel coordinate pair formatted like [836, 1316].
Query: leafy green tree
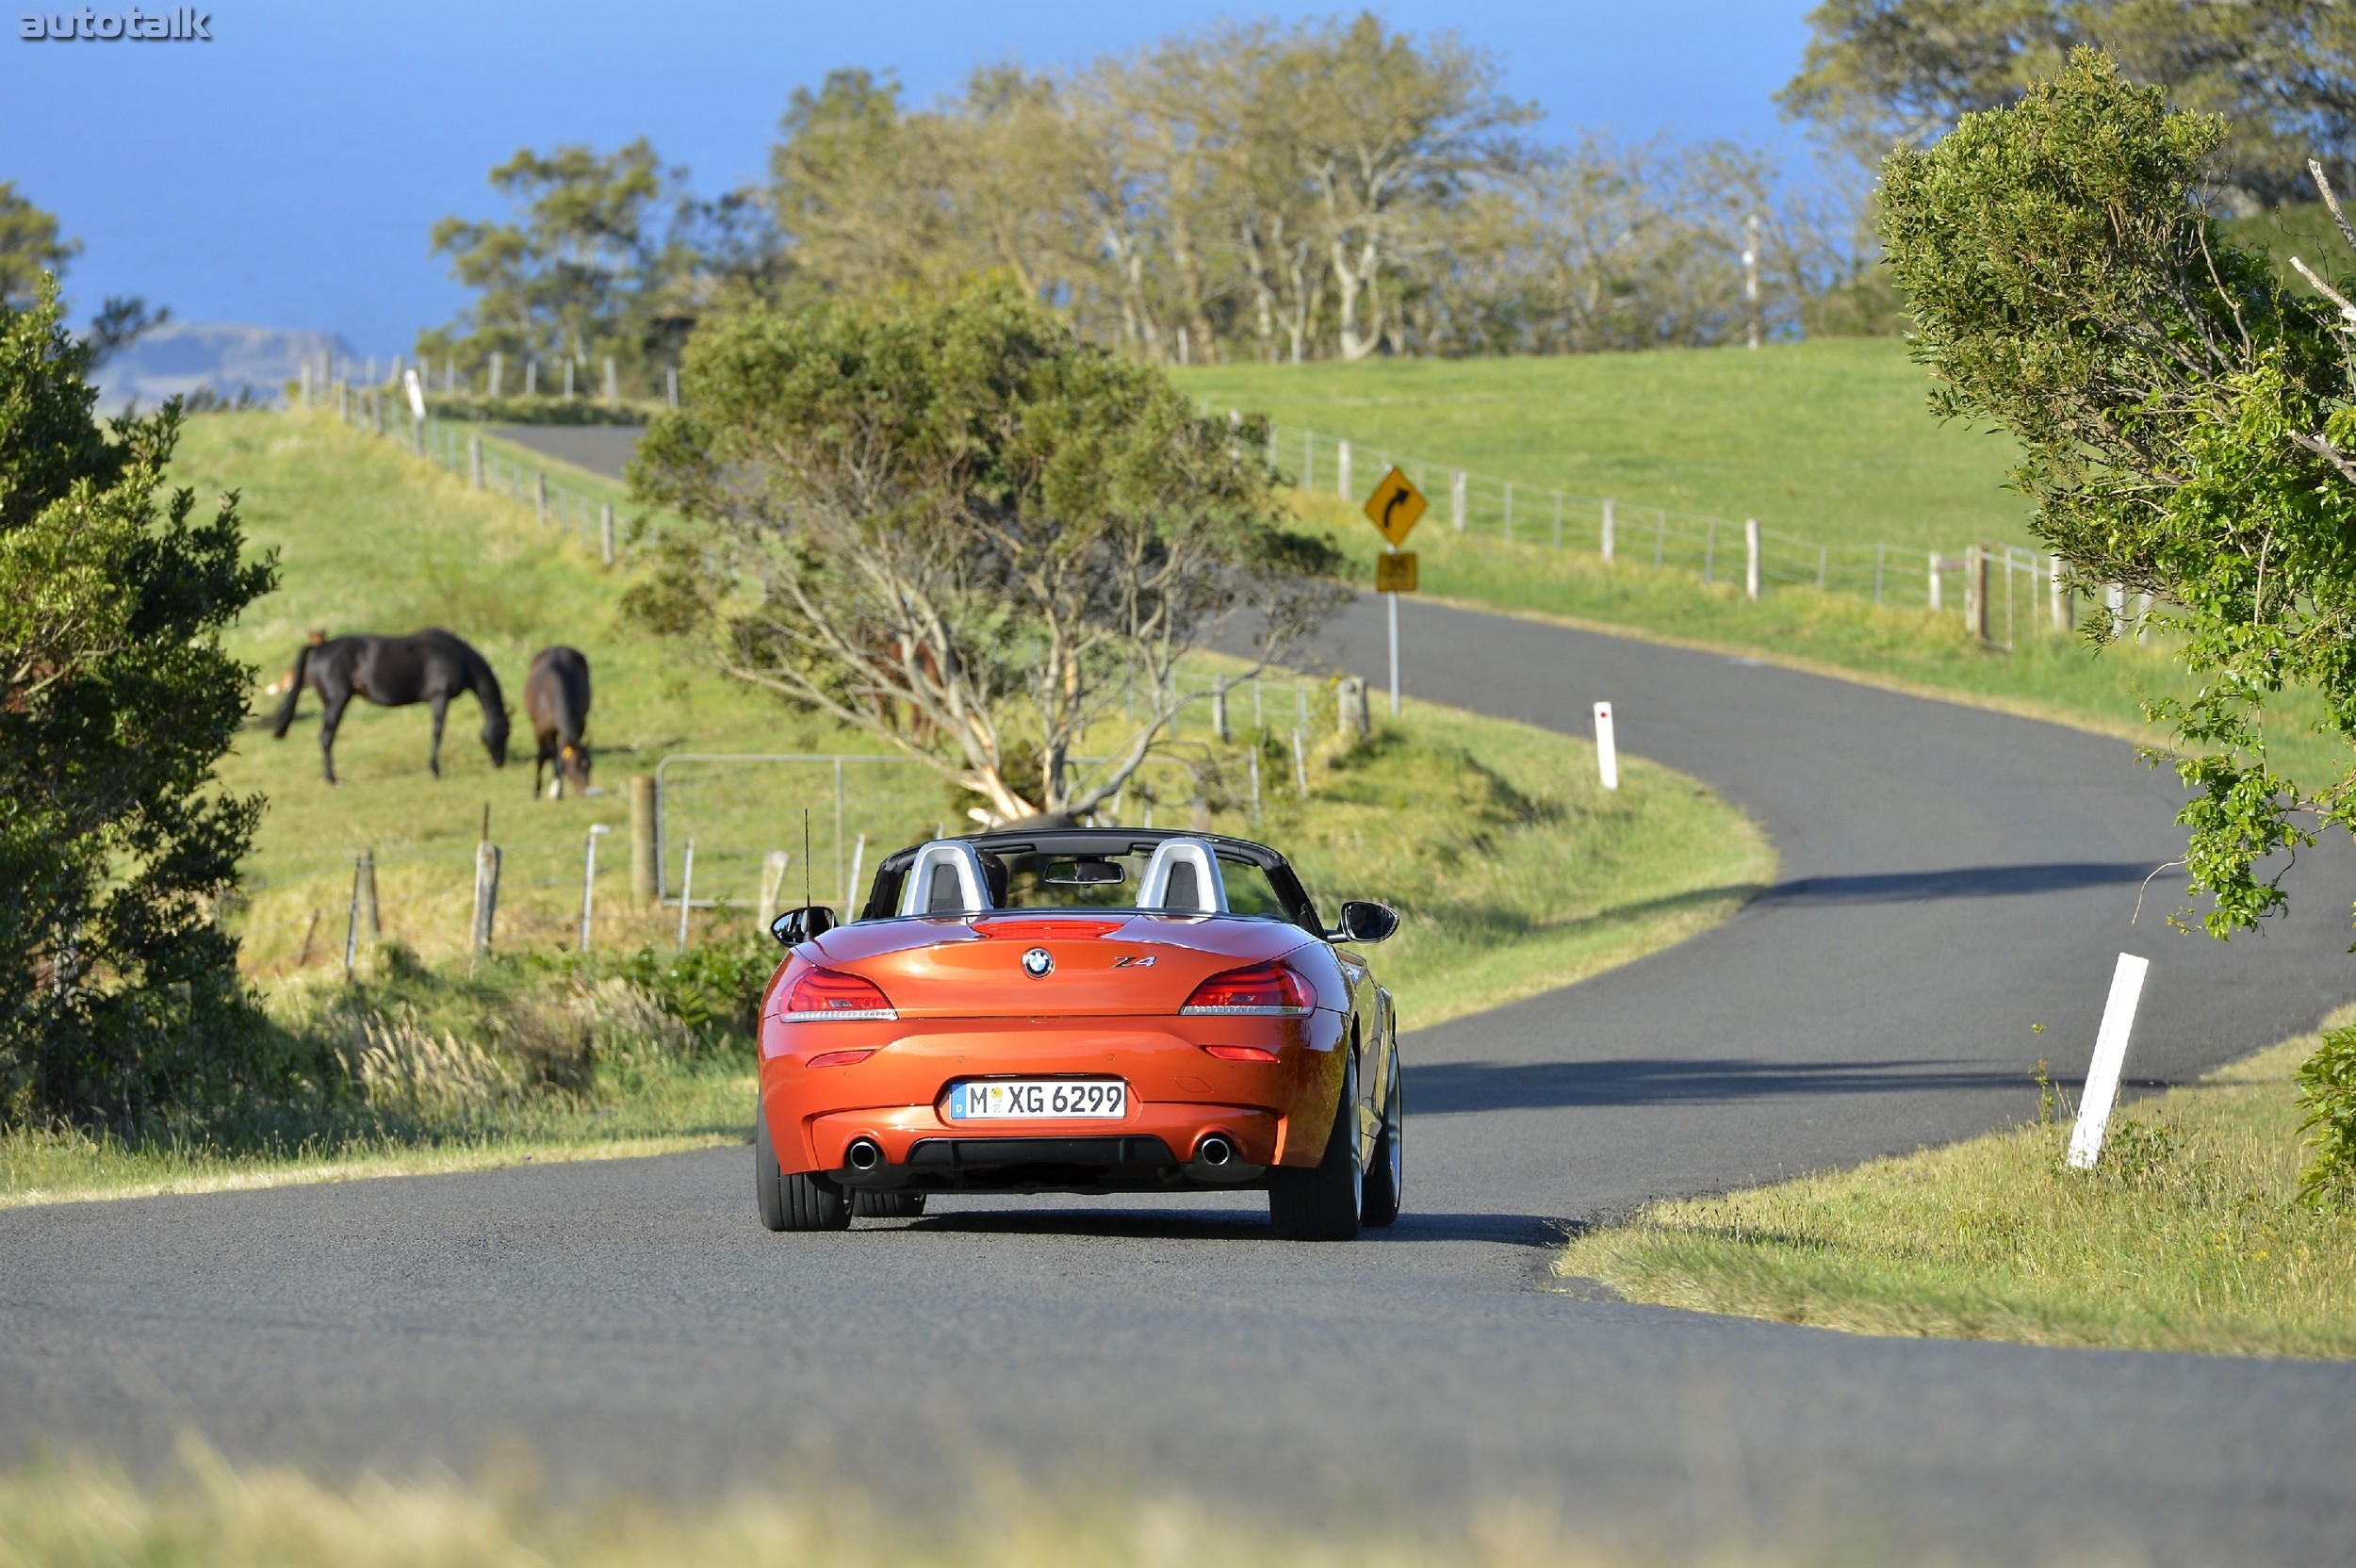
[612, 256]
[29, 247]
[118, 994]
[955, 526]
[2183, 419]
[2282, 72]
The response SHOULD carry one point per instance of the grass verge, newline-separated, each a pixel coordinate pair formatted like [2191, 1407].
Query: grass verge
[2184, 1237]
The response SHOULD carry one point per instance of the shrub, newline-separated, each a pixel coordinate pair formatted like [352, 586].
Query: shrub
[2326, 1092]
[119, 1002]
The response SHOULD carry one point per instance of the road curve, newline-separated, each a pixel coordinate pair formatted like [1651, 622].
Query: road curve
[1949, 878]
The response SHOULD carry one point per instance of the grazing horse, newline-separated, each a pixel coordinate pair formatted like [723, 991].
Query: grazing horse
[392, 672]
[556, 699]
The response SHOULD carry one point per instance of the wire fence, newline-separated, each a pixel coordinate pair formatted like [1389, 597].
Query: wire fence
[2000, 590]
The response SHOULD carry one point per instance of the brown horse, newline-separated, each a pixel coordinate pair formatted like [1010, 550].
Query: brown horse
[394, 672]
[556, 699]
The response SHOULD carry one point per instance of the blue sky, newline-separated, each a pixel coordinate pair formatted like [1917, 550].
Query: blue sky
[287, 172]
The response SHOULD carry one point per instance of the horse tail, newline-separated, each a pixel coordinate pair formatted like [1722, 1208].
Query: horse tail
[285, 715]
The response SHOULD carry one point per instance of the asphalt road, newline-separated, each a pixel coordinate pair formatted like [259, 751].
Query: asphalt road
[1949, 878]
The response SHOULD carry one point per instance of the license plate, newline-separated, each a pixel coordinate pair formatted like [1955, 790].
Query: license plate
[1044, 1098]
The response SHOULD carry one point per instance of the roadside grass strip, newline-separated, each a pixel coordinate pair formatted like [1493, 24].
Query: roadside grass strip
[2184, 1236]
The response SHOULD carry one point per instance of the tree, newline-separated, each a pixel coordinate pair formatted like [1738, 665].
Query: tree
[953, 524]
[29, 247]
[612, 257]
[2282, 72]
[120, 323]
[2184, 422]
[118, 994]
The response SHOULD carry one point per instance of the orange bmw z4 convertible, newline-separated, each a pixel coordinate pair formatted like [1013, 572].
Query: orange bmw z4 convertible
[1087, 1010]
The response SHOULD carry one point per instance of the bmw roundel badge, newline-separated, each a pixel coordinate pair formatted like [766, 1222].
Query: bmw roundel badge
[1039, 963]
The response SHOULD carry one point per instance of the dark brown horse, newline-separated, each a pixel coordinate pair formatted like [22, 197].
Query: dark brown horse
[556, 699]
[392, 672]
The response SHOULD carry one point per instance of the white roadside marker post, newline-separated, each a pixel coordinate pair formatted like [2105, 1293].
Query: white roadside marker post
[2110, 1055]
[1750, 549]
[686, 895]
[589, 882]
[1607, 747]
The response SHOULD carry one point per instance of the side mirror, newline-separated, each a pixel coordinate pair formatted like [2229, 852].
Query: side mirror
[1365, 920]
[796, 926]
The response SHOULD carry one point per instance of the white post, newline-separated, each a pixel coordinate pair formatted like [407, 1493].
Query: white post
[1456, 499]
[772, 881]
[1394, 603]
[2110, 1055]
[1609, 543]
[2118, 609]
[1750, 547]
[1607, 747]
[2061, 600]
[1341, 469]
[589, 882]
[686, 893]
[1934, 585]
[474, 460]
[1300, 768]
[486, 893]
[605, 531]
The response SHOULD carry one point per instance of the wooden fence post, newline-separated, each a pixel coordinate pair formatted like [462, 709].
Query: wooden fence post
[645, 885]
[605, 531]
[540, 495]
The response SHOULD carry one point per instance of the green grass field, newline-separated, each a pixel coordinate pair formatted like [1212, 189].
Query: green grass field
[1827, 439]
[2184, 1237]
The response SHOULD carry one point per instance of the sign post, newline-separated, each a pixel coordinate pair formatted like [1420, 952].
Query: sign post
[1394, 508]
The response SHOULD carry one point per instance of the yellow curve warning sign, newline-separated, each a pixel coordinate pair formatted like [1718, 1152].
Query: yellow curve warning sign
[1395, 506]
[1394, 572]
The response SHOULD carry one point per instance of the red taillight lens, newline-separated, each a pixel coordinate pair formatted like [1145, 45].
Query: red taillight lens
[838, 1058]
[1261, 991]
[823, 994]
[1239, 1053]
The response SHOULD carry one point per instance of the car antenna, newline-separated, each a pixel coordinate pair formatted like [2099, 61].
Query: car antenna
[805, 857]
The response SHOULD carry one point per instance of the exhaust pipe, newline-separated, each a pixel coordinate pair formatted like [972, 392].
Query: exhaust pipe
[1214, 1152]
[863, 1154]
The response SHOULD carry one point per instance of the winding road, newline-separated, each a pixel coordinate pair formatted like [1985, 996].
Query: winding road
[1949, 878]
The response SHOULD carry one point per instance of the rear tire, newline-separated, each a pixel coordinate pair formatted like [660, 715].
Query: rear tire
[800, 1202]
[1325, 1204]
[887, 1205]
[1386, 1167]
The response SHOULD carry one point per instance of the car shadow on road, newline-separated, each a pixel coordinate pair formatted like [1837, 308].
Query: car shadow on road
[1514, 1230]
[1915, 887]
[1441, 1087]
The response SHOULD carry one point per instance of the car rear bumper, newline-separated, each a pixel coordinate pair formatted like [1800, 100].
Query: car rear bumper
[1266, 1113]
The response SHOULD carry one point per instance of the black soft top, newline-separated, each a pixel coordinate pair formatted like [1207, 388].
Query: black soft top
[884, 895]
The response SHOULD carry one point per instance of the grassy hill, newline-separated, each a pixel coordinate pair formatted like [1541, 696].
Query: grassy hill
[1829, 439]
[370, 539]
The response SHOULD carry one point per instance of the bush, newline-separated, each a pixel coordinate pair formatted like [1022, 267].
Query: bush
[119, 1002]
[2326, 1092]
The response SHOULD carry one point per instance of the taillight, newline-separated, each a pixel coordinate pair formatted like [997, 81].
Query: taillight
[1261, 991]
[824, 994]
